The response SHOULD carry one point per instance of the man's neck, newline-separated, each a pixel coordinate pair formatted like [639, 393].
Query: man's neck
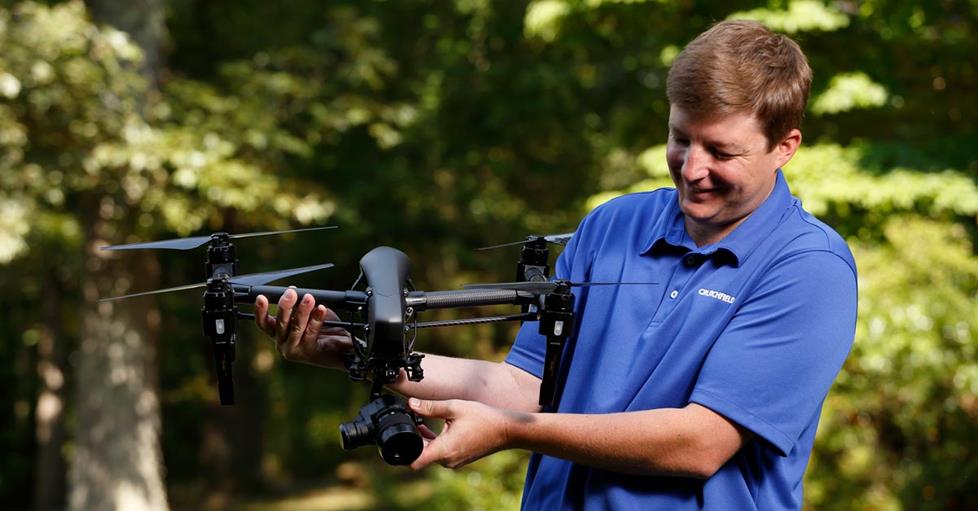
[707, 234]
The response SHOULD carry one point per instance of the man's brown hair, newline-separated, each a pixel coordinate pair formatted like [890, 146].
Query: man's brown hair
[741, 66]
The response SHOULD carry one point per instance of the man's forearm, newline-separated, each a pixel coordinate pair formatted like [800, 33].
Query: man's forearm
[690, 442]
[493, 383]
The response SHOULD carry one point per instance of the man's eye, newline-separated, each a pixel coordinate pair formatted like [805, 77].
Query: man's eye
[720, 155]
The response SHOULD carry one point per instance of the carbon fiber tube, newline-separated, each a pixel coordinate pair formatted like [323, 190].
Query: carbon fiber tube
[346, 300]
[421, 300]
[474, 321]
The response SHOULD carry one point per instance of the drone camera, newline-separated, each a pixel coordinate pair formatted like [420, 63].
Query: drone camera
[388, 423]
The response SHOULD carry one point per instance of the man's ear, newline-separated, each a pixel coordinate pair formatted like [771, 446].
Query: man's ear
[787, 147]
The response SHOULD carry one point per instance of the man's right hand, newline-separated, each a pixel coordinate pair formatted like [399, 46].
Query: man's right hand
[299, 333]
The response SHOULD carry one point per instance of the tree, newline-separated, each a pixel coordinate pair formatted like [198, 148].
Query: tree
[85, 137]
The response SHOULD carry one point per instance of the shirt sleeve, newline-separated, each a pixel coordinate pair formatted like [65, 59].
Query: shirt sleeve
[771, 368]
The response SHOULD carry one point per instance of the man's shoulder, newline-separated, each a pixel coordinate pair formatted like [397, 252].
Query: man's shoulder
[805, 233]
[627, 205]
[628, 217]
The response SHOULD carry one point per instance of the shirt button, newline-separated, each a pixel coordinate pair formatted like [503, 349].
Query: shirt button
[690, 260]
[673, 294]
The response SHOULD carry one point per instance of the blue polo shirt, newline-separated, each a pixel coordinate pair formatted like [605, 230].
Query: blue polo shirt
[754, 327]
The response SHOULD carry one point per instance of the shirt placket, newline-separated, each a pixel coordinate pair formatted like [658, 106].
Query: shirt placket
[677, 287]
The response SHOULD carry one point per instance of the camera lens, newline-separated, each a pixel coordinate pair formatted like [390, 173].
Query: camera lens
[355, 434]
[398, 438]
[385, 421]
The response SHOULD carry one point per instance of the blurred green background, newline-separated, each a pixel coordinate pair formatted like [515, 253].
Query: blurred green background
[435, 127]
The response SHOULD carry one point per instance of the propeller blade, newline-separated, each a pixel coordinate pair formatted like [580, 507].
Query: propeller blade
[512, 244]
[270, 233]
[173, 244]
[559, 239]
[258, 279]
[588, 284]
[556, 239]
[252, 279]
[154, 292]
[545, 287]
[197, 241]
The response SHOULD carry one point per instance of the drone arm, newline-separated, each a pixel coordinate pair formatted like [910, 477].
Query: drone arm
[474, 321]
[421, 300]
[345, 300]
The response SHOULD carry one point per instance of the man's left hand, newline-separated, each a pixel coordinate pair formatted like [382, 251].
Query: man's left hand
[472, 430]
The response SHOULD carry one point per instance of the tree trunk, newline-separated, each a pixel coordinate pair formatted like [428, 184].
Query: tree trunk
[118, 463]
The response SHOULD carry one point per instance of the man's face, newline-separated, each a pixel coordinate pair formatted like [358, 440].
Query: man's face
[722, 168]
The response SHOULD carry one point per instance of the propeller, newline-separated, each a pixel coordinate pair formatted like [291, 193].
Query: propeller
[543, 287]
[252, 279]
[196, 241]
[556, 239]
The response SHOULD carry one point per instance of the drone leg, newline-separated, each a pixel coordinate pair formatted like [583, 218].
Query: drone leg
[551, 368]
[224, 358]
[218, 318]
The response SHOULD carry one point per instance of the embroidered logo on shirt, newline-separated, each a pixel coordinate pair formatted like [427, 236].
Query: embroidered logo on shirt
[723, 297]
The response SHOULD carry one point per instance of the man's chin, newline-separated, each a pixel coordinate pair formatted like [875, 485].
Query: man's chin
[698, 212]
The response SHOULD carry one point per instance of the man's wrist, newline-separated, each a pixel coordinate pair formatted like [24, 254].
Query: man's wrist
[517, 429]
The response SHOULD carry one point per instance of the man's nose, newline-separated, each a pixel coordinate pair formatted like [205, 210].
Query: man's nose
[695, 164]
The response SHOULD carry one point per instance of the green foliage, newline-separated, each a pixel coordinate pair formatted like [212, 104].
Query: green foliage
[82, 122]
[899, 425]
[800, 16]
[830, 174]
[490, 484]
[848, 91]
[543, 17]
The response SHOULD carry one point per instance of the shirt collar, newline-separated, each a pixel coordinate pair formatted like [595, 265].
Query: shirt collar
[737, 246]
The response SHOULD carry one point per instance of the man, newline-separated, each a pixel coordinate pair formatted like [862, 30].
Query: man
[702, 392]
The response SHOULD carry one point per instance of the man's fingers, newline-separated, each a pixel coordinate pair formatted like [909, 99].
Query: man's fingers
[426, 432]
[265, 322]
[285, 304]
[437, 409]
[331, 315]
[311, 333]
[430, 454]
[300, 318]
